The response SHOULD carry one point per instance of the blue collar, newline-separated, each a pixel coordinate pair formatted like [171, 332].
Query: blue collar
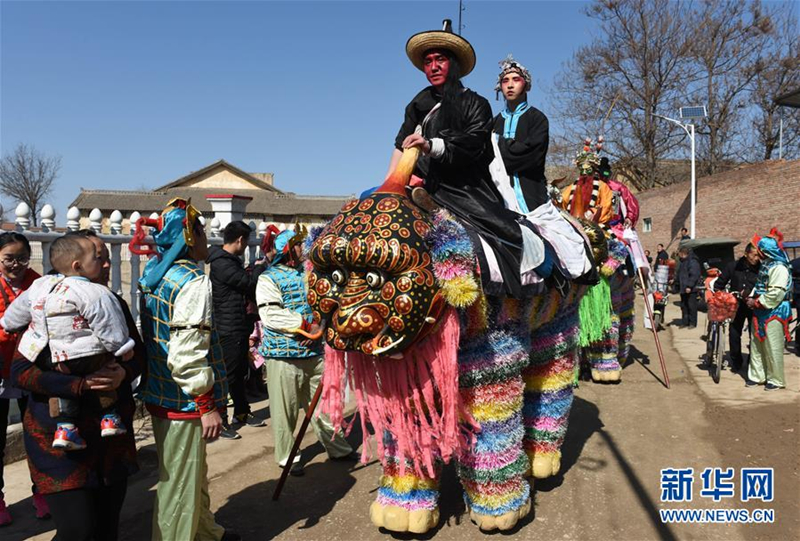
[511, 118]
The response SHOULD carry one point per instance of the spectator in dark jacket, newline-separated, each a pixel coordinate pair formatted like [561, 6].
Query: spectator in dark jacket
[688, 278]
[740, 276]
[661, 255]
[231, 287]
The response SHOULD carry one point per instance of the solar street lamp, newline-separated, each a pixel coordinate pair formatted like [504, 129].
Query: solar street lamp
[689, 113]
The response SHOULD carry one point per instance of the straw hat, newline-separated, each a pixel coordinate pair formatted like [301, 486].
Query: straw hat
[420, 43]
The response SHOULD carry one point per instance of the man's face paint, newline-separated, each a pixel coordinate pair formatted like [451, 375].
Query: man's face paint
[513, 86]
[436, 66]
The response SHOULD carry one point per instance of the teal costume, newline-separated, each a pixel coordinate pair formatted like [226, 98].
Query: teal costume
[277, 344]
[770, 327]
[161, 389]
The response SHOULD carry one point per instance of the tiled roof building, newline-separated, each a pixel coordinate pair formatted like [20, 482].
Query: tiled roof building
[268, 202]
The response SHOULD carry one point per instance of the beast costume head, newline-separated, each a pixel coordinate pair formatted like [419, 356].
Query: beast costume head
[372, 278]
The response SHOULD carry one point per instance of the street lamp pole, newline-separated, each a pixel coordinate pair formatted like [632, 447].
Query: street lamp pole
[689, 129]
[694, 183]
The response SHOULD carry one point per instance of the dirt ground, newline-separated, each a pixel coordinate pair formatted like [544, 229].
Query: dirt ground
[619, 438]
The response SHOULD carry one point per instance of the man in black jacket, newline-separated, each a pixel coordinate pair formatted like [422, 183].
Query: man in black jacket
[661, 255]
[740, 276]
[688, 278]
[231, 288]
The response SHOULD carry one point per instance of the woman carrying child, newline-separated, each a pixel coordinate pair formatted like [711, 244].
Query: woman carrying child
[85, 489]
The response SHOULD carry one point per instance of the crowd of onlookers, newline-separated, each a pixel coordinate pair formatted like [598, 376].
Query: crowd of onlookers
[766, 284]
[70, 354]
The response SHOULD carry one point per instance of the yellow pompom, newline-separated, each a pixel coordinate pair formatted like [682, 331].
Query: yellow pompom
[461, 291]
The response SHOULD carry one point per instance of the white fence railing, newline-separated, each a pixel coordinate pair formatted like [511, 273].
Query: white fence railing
[125, 266]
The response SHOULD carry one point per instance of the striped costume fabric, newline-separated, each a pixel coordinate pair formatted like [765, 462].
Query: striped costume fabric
[611, 351]
[622, 300]
[549, 384]
[406, 489]
[492, 470]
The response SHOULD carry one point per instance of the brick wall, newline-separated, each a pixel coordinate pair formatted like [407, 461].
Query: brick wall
[736, 204]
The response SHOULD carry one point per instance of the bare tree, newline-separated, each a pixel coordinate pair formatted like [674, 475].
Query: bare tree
[726, 50]
[780, 75]
[27, 175]
[639, 62]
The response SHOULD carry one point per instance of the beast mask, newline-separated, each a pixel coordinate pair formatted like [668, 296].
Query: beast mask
[372, 281]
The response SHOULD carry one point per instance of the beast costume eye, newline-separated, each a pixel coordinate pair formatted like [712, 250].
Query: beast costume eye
[338, 277]
[374, 279]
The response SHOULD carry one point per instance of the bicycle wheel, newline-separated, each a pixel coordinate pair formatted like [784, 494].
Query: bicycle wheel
[711, 352]
[711, 345]
[657, 317]
[720, 355]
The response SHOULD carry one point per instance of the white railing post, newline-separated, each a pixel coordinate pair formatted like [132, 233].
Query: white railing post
[250, 254]
[73, 219]
[48, 218]
[96, 220]
[203, 222]
[133, 219]
[48, 215]
[116, 253]
[134, 271]
[23, 214]
[215, 227]
[262, 230]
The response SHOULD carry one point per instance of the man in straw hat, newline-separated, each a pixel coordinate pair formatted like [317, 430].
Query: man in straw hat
[451, 125]
[186, 384]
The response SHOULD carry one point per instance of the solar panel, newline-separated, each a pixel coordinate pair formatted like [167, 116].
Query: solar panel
[693, 112]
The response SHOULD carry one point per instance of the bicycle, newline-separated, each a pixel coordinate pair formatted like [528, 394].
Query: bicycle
[722, 307]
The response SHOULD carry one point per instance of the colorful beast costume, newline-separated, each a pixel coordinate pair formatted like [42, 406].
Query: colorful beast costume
[440, 370]
[607, 311]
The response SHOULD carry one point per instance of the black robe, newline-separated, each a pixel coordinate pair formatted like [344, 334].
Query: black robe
[524, 155]
[460, 181]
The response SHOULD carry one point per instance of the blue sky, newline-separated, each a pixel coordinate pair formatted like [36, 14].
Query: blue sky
[135, 94]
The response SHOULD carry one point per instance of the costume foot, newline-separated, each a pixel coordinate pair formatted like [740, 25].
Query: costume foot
[606, 376]
[504, 522]
[397, 519]
[545, 466]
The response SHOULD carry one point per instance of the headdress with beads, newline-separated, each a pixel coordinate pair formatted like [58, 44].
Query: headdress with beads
[588, 157]
[509, 65]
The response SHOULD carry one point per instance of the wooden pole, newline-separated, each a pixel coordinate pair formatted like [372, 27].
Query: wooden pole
[296, 447]
[653, 327]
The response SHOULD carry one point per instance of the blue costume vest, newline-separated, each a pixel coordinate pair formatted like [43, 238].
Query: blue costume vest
[782, 312]
[293, 295]
[156, 315]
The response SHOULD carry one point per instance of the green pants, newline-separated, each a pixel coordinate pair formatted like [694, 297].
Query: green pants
[182, 510]
[291, 384]
[766, 357]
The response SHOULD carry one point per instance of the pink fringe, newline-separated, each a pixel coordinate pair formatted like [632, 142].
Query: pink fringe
[415, 398]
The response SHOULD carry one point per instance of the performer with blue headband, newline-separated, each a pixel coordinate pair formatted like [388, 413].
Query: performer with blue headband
[186, 383]
[771, 305]
[293, 351]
